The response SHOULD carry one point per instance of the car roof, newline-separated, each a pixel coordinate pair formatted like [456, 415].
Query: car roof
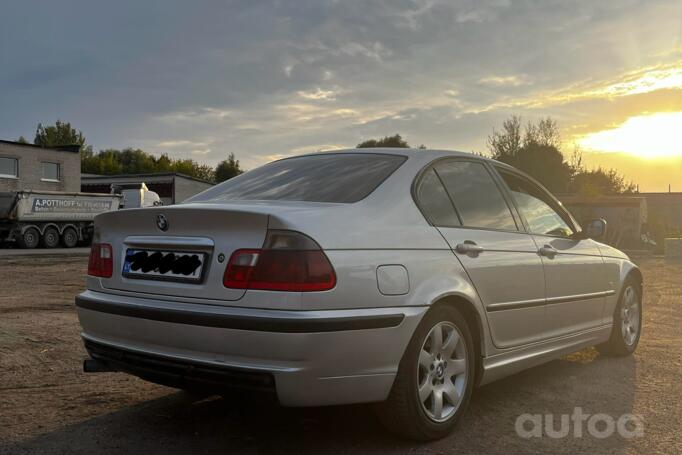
[422, 154]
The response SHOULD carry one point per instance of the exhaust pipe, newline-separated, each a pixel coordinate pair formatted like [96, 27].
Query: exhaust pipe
[96, 366]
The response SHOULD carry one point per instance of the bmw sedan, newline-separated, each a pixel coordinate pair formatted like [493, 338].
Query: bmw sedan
[398, 277]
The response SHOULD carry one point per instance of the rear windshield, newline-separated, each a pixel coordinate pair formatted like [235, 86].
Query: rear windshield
[327, 177]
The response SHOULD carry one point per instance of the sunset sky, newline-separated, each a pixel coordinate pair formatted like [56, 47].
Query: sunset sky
[271, 79]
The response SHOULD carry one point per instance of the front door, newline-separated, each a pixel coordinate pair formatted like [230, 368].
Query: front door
[574, 269]
[462, 199]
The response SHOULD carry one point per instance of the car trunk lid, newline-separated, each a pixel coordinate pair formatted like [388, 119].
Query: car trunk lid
[202, 230]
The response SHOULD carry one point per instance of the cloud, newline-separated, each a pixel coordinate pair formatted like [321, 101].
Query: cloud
[505, 81]
[318, 94]
[264, 79]
[180, 143]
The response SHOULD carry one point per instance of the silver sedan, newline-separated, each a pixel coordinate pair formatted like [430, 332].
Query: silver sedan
[395, 276]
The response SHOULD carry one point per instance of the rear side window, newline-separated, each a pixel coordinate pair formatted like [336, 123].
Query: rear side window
[435, 202]
[326, 177]
[475, 194]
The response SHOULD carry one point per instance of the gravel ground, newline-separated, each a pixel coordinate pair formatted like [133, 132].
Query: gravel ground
[80, 251]
[47, 405]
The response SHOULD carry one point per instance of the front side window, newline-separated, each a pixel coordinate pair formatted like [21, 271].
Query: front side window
[536, 207]
[476, 196]
[8, 167]
[50, 171]
[323, 177]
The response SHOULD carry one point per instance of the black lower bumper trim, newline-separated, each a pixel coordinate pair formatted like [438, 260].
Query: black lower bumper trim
[179, 374]
[254, 323]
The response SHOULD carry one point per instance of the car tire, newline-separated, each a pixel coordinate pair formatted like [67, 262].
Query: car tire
[424, 373]
[50, 238]
[69, 237]
[29, 239]
[627, 322]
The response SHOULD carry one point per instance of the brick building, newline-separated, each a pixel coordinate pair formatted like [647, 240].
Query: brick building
[31, 167]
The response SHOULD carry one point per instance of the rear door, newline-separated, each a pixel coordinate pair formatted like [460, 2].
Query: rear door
[575, 274]
[462, 199]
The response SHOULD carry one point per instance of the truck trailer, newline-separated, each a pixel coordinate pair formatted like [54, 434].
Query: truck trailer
[49, 218]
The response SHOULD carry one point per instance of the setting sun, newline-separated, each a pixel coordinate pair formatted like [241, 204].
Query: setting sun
[646, 136]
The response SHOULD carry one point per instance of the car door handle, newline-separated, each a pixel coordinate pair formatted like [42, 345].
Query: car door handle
[547, 251]
[469, 247]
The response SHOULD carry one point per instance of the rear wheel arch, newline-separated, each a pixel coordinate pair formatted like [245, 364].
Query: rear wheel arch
[473, 319]
[405, 412]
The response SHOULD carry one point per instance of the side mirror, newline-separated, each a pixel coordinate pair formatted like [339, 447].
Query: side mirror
[596, 229]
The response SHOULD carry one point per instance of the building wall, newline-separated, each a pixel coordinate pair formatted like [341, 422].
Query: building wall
[162, 187]
[625, 216]
[30, 169]
[186, 188]
[665, 209]
[171, 188]
[657, 215]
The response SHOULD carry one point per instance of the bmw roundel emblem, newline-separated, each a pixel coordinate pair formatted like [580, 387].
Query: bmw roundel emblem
[161, 222]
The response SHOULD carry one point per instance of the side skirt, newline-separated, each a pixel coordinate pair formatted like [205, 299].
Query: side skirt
[504, 364]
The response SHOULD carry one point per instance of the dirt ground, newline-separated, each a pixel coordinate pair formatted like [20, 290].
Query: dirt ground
[47, 405]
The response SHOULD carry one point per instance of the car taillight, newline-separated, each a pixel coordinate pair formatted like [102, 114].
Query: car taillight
[101, 261]
[288, 261]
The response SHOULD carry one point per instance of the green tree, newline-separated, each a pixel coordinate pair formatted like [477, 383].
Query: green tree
[227, 169]
[136, 161]
[545, 132]
[194, 169]
[61, 133]
[600, 182]
[388, 141]
[537, 151]
[545, 163]
[22, 140]
[506, 143]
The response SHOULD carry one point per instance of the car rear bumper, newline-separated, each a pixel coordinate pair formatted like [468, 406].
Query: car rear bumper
[308, 358]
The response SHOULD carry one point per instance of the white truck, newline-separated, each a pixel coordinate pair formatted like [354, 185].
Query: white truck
[48, 218]
[136, 195]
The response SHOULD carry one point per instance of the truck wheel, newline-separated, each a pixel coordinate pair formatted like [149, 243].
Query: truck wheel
[29, 239]
[69, 237]
[50, 238]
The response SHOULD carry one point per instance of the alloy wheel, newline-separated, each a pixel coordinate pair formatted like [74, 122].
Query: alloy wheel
[630, 316]
[442, 371]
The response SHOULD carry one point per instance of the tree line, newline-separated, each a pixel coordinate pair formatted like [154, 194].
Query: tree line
[130, 160]
[535, 148]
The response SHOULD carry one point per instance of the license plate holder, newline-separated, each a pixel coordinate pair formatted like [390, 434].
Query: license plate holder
[164, 265]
